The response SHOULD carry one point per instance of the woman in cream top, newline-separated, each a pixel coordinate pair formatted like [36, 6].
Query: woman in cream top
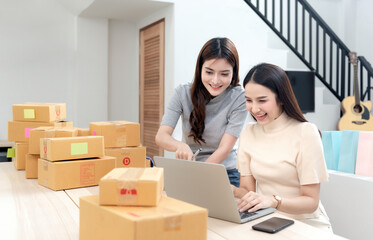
[280, 156]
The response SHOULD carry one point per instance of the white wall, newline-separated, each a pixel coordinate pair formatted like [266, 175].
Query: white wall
[123, 71]
[351, 20]
[36, 52]
[90, 86]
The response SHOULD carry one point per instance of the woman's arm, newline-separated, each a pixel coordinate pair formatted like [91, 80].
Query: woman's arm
[225, 147]
[247, 184]
[165, 140]
[307, 202]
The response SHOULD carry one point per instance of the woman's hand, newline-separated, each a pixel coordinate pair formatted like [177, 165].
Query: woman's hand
[183, 151]
[255, 201]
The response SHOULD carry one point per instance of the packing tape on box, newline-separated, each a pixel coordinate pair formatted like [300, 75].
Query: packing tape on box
[120, 127]
[45, 149]
[60, 124]
[171, 220]
[127, 186]
[45, 165]
[125, 151]
[57, 108]
[50, 133]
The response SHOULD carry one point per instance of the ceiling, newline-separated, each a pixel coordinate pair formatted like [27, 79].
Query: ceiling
[129, 10]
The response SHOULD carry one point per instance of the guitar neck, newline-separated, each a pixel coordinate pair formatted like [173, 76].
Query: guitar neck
[356, 86]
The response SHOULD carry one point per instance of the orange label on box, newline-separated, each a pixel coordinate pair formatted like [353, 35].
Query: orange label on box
[87, 173]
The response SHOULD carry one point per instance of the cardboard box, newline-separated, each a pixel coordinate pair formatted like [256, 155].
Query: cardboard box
[21, 149]
[48, 132]
[148, 163]
[67, 148]
[32, 165]
[117, 133]
[20, 131]
[39, 112]
[73, 174]
[128, 156]
[84, 132]
[171, 219]
[132, 187]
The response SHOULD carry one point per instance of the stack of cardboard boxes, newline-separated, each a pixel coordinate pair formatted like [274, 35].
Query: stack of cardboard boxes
[130, 205]
[72, 162]
[28, 116]
[34, 145]
[122, 141]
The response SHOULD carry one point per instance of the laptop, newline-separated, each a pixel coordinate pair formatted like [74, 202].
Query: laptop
[205, 185]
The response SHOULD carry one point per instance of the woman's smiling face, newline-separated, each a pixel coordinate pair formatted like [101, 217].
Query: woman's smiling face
[262, 103]
[216, 75]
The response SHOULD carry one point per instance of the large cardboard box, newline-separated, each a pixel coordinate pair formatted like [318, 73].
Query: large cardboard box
[20, 131]
[117, 133]
[39, 112]
[132, 187]
[66, 148]
[128, 156]
[21, 149]
[73, 174]
[48, 132]
[32, 165]
[171, 219]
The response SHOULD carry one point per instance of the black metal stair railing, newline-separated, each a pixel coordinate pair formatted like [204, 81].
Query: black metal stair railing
[300, 27]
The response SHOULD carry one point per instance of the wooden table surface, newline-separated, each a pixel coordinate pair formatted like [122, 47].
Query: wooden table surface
[31, 211]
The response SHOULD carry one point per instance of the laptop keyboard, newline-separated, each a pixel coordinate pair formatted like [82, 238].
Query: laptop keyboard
[247, 214]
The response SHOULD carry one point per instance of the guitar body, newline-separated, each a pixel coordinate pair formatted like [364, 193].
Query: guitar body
[352, 119]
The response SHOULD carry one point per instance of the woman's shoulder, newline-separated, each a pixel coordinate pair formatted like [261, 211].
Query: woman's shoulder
[236, 92]
[183, 89]
[307, 128]
[184, 86]
[250, 126]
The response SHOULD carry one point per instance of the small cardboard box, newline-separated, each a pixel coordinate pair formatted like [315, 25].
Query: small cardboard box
[48, 132]
[32, 165]
[21, 149]
[117, 133]
[73, 174]
[171, 219]
[66, 148]
[20, 131]
[132, 187]
[36, 134]
[128, 156]
[84, 132]
[39, 112]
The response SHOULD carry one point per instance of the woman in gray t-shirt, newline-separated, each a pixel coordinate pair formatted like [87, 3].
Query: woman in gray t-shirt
[212, 109]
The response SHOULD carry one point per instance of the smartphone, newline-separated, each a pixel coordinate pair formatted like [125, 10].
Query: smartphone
[273, 225]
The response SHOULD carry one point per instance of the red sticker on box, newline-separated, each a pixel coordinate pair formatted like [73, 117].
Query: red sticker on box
[126, 161]
[94, 133]
[27, 132]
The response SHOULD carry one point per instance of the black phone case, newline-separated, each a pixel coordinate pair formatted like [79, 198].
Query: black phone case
[273, 225]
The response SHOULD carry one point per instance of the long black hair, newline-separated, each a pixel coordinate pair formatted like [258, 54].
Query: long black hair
[216, 48]
[275, 78]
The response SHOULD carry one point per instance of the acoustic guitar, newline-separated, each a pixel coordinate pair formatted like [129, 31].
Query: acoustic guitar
[356, 114]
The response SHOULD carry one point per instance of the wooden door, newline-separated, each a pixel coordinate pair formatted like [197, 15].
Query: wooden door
[151, 85]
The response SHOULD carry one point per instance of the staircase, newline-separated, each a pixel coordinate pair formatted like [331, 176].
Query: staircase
[306, 34]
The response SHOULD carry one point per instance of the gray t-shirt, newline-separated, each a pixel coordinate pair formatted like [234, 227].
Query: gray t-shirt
[226, 113]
